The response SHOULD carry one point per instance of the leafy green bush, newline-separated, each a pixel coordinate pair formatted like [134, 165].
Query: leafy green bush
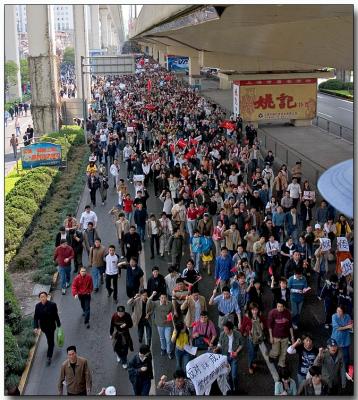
[332, 84]
[12, 307]
[348, 86]
[12, 352]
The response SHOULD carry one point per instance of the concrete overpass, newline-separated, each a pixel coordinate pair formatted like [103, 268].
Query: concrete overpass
[259, 37]
[255, 42]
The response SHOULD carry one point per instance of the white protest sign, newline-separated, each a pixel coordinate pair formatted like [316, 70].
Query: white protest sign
[342, 243]
[205, 369]
[309, 195]
[138, 178]
[347, 267]
[325, 244]
[190, 349]
[130, 129]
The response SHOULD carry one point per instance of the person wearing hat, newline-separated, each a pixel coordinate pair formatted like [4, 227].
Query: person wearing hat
[333, 369]
[314, 386]
[140, 371]
[45, 319]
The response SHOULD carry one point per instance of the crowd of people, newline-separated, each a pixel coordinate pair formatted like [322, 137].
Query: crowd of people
[68, 81]
[254, 232]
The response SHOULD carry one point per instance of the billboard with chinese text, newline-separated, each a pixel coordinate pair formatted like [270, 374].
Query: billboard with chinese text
[277, 99]
[41, 154]
[236, 99]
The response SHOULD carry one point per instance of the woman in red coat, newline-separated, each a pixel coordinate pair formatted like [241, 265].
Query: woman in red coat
[253, 326]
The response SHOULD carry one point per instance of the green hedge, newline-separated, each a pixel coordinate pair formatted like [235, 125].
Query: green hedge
[25, 98]
[33, 210]
[336, 84]
[34, 188]
[345, 94]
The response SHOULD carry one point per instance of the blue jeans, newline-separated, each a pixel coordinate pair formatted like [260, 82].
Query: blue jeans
[191, 226]
[165, 333]
[141, 232]
[96, 275]
[234, 374]
[196, 258]
[182, 358]
[65, 275]
[251, 351]
[296, 307]
[128, 215]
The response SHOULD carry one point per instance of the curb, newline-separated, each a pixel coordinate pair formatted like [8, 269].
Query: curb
[32, 352]
[337, 97]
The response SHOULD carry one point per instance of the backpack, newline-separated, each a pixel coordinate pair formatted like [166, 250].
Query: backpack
[258, 335]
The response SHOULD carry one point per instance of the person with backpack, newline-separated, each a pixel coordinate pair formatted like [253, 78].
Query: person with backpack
[253, 326]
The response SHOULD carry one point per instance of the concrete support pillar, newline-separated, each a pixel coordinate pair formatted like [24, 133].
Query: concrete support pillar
[110, 32]
[162, 60]
[12, 48]
[194, 71]
[81, 49]
[43, 69]
[95, 42]
[103, 12]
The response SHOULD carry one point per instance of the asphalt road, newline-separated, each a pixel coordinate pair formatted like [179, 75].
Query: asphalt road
[95, 345]
[337, 110]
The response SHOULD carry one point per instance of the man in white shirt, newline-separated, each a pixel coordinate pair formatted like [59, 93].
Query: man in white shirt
[272, 249]
[88, 216]
[170, 280]
[112, 272]
[295, 192]
[114, 170]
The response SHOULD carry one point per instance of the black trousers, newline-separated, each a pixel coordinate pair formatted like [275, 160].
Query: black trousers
[93, 196]
[78, 259]
[109, 280]
[85, 300]
[154, 238]
[50, 336]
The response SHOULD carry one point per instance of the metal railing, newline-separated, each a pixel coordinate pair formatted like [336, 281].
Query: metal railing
[335, 129]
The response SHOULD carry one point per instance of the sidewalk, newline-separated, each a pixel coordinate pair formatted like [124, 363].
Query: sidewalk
[9, 130]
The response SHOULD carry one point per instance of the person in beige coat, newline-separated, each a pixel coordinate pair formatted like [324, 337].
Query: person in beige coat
[232, 238]
[140, 316]
[195, 305]
[122, 227]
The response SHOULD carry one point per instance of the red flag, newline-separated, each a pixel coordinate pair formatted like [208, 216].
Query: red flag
[170, 317]
[228, 125]
[234, 269]
[194, 324]
[141, 62]
[270, 270]
[190, 287]
[181, 143]
[150, 107]
[172, 147]
[149, 85]
[190, 154]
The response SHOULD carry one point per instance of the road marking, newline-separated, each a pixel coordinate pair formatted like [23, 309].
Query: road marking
[330, 116]
[347, 109]
[269, 364]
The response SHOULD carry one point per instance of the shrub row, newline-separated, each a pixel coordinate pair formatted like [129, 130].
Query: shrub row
[339, 93]
[31, 191]
[25, 215]
[336, 84]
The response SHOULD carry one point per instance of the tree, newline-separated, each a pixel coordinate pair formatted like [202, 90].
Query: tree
[24, 71]
[11, 70]
[69, 55]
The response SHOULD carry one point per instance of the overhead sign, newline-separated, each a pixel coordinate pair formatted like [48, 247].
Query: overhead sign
[206, 369]
[236, 99]
[176, 63]
[112, 65]
[276, 99]
[41, 154]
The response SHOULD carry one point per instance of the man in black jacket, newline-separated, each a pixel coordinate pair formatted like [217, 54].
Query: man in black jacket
[132, 243]
[140, 371]
[156, 283]
[45, 319]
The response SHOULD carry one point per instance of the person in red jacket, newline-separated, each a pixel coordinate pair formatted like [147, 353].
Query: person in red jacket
[63, 256]
[82, 287]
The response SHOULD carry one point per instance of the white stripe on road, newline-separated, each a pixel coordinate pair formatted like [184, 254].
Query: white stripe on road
[269, 364]
[330, 116]
[347, 109]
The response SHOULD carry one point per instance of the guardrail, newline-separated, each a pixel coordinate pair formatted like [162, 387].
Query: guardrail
[286, 155]
[332, 127]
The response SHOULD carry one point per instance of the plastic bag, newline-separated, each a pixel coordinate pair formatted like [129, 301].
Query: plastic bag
[60, 337]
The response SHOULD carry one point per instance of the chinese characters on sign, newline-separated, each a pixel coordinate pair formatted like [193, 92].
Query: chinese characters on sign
[342, 243]
[276, 99]
[347, 267]
[41, 154]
